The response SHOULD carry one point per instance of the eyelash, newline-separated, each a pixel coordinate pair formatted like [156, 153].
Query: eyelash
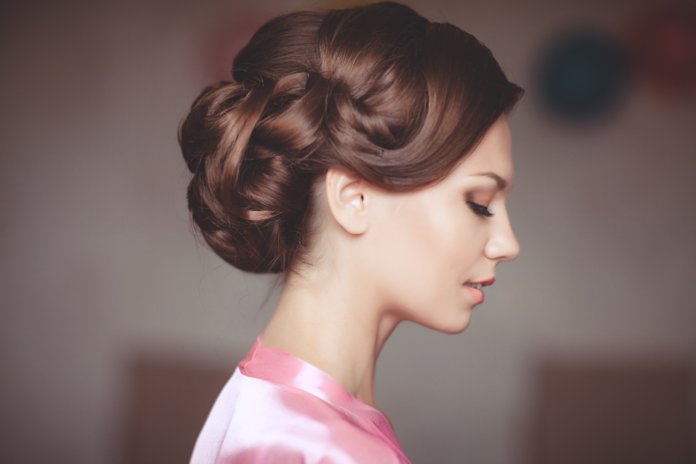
[480, 209]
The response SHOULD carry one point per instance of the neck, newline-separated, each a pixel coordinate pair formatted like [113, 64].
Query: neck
[338, 329]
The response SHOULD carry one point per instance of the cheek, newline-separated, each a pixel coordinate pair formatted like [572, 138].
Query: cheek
[434, 241]
[421, 253]
[448, 237]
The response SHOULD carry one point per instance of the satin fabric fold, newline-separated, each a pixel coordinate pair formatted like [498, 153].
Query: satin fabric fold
[277, 408]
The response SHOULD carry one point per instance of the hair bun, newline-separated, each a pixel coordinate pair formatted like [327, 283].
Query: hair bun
[214, 139]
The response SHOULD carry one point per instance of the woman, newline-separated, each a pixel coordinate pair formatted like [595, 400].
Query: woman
[364, 155]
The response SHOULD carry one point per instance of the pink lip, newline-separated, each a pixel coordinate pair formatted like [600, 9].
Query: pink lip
[485, 283]
[478, 294]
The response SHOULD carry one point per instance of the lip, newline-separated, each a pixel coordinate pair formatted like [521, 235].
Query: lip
[485, 283]
[476, 293]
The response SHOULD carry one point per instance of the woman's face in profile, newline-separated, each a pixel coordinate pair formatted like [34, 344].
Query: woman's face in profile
[428, 243]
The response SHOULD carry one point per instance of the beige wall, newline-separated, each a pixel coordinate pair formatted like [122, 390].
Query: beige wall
[99, 263]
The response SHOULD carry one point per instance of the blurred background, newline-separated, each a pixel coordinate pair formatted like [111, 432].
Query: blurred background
[118, 329]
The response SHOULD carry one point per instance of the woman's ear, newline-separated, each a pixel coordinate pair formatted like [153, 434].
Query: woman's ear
[347, 198]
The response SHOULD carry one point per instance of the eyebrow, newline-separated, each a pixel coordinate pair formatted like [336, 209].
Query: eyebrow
[502, 183]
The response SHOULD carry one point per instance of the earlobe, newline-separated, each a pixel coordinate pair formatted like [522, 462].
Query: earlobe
[346, 200]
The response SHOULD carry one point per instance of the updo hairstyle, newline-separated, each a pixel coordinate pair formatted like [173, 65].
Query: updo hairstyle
[377, 90]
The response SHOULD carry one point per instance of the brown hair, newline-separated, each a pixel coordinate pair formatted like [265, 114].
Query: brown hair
[377, 90]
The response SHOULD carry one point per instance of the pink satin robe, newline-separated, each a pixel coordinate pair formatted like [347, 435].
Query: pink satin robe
[277, 408]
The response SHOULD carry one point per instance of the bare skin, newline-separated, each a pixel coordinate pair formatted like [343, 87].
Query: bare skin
[386, 257]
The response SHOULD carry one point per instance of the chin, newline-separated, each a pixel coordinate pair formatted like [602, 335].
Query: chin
[456, 329]
[453, 326]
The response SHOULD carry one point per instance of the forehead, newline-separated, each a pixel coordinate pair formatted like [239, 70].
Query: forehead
[492, 154]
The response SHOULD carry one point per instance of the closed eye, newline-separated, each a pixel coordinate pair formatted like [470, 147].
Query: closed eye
[480, 209]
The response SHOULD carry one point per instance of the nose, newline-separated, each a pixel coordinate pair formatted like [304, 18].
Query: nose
[502, 244]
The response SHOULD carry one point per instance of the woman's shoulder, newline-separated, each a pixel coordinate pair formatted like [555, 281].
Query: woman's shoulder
[257, 421]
